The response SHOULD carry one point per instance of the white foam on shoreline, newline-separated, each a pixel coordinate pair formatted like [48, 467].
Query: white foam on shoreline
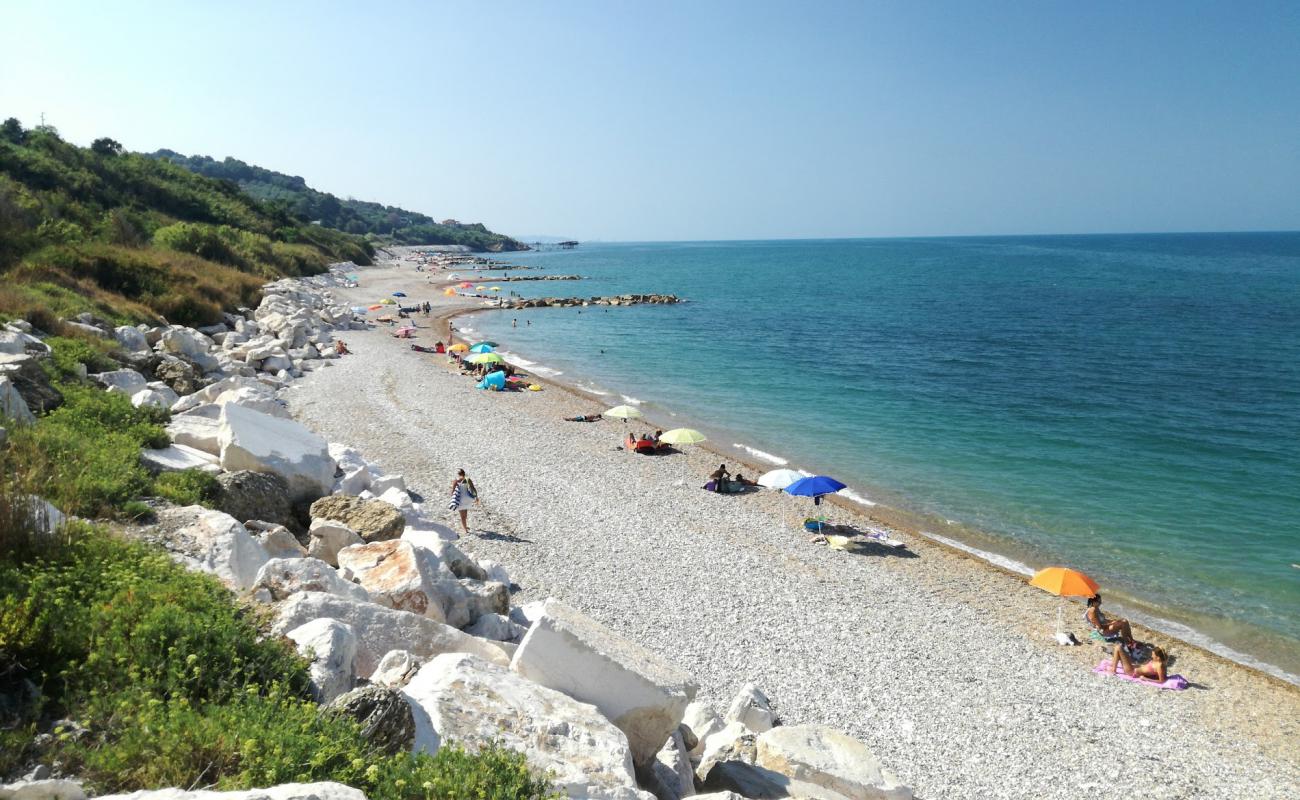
[524, 364]
[632, 401]
[993, 558]
[761, 455]
[855, 497]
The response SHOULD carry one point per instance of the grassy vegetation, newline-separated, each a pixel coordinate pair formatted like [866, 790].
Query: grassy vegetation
[169, 683]
[383, 224]
[131, 238]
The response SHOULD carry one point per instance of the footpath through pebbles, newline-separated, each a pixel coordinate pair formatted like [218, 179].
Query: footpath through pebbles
[952, 695]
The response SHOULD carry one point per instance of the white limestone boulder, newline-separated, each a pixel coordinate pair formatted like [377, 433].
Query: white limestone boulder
[464, 699]
[278, 541]
[262, 443]
[220, 545]
[639, 691]
[12, 405]
[824, 757]
[126, 381]
[178, 457]
[286, 576]
[152, 398]
[46, 789]
[703, 722]
[286, 791]
[398, 575]
[332, 647]
[197, 431]
[751, 708]
[185, 341]
[381, 629]
[328, 537]
[383, 483]
[672, 774]
[132, 339]
[496, 627]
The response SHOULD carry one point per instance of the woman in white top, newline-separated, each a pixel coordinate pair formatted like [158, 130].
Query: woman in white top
[463, 494]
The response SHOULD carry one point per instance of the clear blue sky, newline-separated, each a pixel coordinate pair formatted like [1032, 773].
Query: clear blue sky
[704, 120]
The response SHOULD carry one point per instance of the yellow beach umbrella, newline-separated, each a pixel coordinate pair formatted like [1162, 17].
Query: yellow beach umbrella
[622, 412]
[494, 288]
[449, 292]
[1064, 582]
[388, 301]
[682, 436]
[459, 347]
[480, 287]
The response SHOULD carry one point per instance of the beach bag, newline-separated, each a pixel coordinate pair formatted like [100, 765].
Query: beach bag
[455, 498]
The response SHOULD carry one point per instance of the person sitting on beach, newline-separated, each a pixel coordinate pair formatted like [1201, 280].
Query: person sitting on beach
[438, 348]
[1108, 628]
[743, 481]
[719, 477]
[341, 347]
[630, 442]
[1153, 670]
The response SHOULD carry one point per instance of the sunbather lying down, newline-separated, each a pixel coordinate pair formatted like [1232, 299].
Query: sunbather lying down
[584, 418]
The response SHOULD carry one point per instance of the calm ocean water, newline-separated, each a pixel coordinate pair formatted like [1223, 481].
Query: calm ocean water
[1127, 405]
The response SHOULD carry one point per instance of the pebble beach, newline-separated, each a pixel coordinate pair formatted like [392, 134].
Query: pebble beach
[944, 665]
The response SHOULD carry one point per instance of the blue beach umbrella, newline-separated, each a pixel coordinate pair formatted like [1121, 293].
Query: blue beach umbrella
[399, 294]
[481, 347]
[814, 487]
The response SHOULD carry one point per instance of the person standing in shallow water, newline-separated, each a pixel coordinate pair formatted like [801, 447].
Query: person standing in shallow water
[463, 493]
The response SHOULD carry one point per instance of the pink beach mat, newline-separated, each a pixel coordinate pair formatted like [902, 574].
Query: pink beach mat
[1175, 682]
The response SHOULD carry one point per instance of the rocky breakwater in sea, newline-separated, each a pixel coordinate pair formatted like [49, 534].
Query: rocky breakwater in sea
[409, 633]
[569, 302]
[509, 278]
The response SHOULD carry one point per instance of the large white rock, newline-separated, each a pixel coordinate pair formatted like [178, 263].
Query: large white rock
[285, 576]
[464, 699]
[751, 708]
[703, 722]
[126, 381]
[185, 341]
[223, 547]
[179, 457]
[166, 393]
[278, 541]
[263, 443]
[132, 339]
[398, 575]
[153, 398]
[496, 627]
[199, 432]
[639, 691]
[332, 647]
[328, 538]
[380, 629]
[383, 483]
[285, 791]
[825, 757]
[355, 472]
[672, 771]
[50, 789]
[12, 405]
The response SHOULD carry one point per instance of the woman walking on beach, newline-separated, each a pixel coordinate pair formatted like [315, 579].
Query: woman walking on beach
[462, 494]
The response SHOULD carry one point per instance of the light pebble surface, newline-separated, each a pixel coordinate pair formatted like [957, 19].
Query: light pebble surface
[940, 663]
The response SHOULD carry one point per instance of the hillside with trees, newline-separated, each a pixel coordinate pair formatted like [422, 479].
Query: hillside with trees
[380, 223]
[132, 238]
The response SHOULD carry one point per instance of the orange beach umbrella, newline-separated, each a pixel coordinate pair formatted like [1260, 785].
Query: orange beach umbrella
[448, 292]
[1064, 582]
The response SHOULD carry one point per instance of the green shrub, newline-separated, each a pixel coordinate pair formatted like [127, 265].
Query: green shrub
[187, 488]
[178, 687]
[85, 455]
[69, 352]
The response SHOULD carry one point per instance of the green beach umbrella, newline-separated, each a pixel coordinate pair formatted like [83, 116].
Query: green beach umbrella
[485, 358]
[623, 412]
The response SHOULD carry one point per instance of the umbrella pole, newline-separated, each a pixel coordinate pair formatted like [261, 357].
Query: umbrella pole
[1059, 605]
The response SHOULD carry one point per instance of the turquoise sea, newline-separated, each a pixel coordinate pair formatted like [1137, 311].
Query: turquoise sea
[1128, 405]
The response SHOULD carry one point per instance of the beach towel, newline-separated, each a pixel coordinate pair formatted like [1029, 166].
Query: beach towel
[1174, 682]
